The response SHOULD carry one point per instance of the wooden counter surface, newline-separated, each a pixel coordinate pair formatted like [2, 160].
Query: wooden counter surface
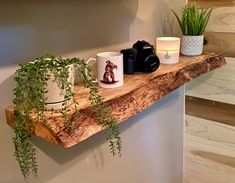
[139, 92]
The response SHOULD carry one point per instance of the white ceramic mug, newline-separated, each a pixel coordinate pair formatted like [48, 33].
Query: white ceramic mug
[110, 69]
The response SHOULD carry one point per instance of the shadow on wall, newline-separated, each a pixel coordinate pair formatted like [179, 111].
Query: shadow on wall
[168, 24]
[93, 150]
[31, 28]
[64, 155]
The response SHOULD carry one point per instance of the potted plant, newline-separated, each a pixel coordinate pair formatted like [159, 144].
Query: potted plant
[31, 96]
[55, 96]
[192, 21]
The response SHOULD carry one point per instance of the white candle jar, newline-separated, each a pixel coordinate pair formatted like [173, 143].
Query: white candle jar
[168, 49]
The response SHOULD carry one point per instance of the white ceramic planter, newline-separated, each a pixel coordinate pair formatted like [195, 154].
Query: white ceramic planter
[191, 45]
[55, 95]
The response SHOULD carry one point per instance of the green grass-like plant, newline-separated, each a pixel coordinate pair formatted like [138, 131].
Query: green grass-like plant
[31, 80]
[192, 19]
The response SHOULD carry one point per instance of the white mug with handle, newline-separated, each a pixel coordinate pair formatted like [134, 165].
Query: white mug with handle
[110, 69]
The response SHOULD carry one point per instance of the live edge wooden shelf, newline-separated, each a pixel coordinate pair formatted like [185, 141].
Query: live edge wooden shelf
[139, 92]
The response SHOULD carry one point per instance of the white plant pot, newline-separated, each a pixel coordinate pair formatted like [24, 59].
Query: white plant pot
[55, 95]
[191, 45]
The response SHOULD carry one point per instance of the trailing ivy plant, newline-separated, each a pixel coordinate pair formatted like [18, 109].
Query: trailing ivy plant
[31, 81]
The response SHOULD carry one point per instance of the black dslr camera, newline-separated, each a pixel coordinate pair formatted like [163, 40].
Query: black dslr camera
[140, 58]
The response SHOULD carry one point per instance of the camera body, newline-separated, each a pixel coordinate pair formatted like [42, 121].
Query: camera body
[140, 58]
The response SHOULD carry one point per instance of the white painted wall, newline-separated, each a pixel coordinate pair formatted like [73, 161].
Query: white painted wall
[152, 141]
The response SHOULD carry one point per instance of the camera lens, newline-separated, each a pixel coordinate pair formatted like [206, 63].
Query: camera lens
[151, 63]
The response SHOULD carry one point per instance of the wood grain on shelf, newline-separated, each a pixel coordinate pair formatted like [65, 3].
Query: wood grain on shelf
[222, 20]
[209, 151]
[220, 31]
[210, 110]
[220, 42]
[217, 85]
[210, 146]
[213, 3]
[139, 92]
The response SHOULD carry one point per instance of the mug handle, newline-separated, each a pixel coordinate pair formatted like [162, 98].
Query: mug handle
[86, 71]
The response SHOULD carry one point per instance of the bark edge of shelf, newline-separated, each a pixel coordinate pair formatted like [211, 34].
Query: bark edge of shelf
[124, 102]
